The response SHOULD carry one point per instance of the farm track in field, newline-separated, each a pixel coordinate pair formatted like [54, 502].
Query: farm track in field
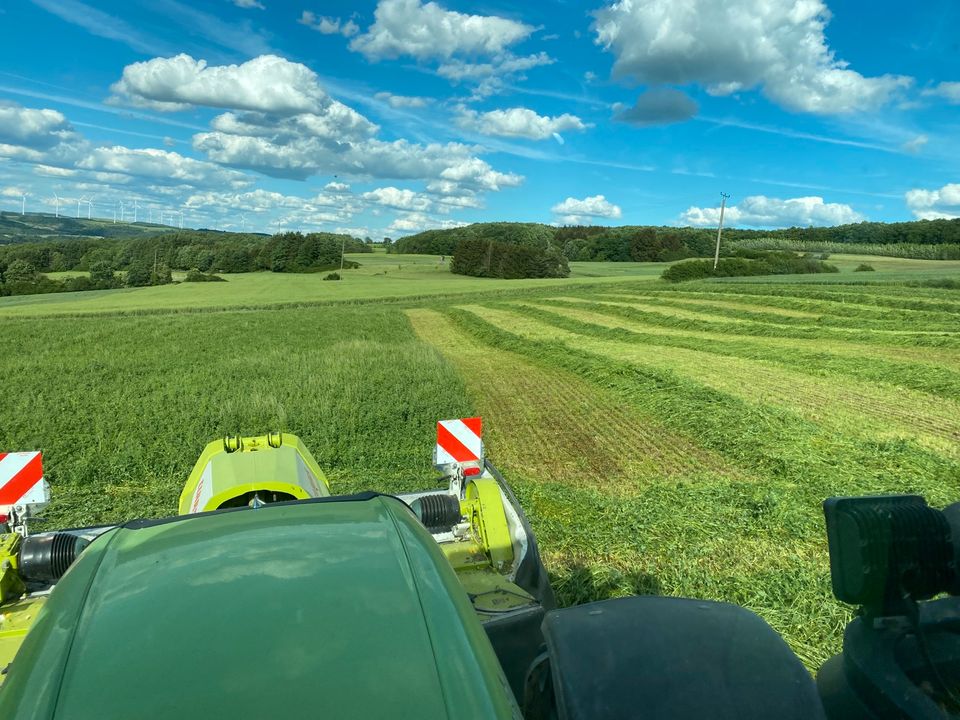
[884, 412]
[572, 430]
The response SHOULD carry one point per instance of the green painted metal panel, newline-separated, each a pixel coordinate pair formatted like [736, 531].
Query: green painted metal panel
[313, 609]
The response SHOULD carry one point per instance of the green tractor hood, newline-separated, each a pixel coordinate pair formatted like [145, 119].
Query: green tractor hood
[335, 607]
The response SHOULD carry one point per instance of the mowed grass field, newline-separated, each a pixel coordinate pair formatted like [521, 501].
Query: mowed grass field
[663, 439]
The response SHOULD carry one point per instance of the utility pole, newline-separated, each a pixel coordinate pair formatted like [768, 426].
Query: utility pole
[723, 204]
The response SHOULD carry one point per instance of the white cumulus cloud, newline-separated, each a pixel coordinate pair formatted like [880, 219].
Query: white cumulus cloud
[777, 45]
[329, 25]
[398, 199]
[518, 122]
[467, 48]
[281, 122]
[933, 204]
[427, 30]
[265, 84]
[573, 211]
[762, 211]
[415, 222]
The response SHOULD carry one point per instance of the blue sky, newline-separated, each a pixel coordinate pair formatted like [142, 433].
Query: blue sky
[385, 118]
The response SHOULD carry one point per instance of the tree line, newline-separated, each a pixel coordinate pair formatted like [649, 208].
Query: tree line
[149, 261]
[662, 244]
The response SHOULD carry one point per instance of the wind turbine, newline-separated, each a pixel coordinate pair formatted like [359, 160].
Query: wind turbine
[243, 222]
[150, 215]
[121, 210]
[57, 199]
[136, 206]
[181, 218]
[90, 206]
[80, 199]
[23, 204]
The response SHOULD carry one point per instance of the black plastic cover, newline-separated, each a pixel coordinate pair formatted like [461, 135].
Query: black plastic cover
[657, 657]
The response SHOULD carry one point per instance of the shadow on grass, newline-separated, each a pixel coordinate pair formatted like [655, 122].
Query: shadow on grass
[578, 584]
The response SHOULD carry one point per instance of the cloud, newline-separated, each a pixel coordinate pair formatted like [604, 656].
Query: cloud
[518, 122]
[426, 30]
[329, 25]
[336, 187]
[266, 84]
[249, 4]
[415, 222]
[573, 212]
[467, 48]
[317, 210]
[761, 211]
[915, 145]
[934, 204]
[776, 45]
[46, 139]
[403, 101]
[398, 199]
[659, 106]
[159, 166]
[33, 128]
[459, 70]
[306, 145]
[287, 126]
[949, 91]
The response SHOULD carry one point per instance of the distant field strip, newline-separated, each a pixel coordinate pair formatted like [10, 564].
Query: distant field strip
[715, 322]
[886, 410]
[548, 423]
[828, 314]
[712, 341]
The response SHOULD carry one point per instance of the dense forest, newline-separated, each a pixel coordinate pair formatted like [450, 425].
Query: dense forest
[149, 261]
[489, 258]
[658, 244]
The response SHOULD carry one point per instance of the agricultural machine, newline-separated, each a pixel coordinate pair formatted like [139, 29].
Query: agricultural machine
[269, 597]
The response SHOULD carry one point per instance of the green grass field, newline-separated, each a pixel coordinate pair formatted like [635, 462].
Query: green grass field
[675, 439]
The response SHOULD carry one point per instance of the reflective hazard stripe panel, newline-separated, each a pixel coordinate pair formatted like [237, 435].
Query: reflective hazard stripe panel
[19, 473]
[459, 441]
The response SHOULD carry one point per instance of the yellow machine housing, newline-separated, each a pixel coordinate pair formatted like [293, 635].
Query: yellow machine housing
[233, 471]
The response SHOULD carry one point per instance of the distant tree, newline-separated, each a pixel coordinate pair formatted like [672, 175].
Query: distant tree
[140, 273]
[102, 275]
[161, 275]
[21, 271]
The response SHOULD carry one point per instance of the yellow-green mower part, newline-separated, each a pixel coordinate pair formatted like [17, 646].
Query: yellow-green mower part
[232, 471]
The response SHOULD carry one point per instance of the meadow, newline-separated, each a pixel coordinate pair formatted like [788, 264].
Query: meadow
[674, 439]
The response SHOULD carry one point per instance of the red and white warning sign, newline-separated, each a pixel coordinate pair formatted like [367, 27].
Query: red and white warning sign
[21, 480]
[459, 442]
